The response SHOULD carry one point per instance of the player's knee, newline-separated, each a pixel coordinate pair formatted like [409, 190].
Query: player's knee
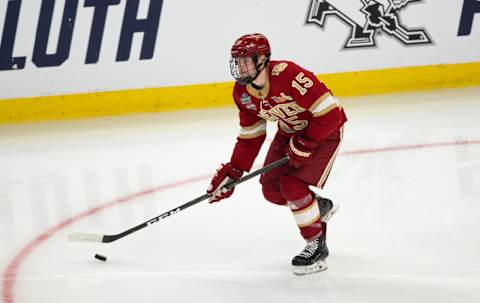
[293, 189]
[272, 196]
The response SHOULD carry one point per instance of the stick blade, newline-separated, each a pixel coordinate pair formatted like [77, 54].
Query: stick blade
[85, 237]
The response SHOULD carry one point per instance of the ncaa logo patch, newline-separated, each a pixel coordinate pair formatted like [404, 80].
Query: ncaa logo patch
[247, 101]
[245, 98]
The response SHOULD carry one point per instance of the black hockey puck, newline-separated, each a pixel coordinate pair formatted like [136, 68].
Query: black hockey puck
[100, 257]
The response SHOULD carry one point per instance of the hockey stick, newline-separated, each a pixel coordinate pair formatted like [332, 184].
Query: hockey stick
[88, 237]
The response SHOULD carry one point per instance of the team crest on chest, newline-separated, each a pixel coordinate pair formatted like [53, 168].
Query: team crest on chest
[281, 111]
[287, 115]
[278, 68]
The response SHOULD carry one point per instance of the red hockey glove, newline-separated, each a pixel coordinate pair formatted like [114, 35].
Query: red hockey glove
[225, 173]
[300, 150]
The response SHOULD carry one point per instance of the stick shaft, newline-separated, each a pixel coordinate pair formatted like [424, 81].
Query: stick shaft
[110, 238]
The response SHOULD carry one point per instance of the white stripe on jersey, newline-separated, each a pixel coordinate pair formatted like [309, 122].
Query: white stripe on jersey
[255, 130]
[307, 216]
[325, 106]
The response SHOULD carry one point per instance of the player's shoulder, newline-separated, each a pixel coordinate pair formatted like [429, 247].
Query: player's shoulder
[285, 68]
[240, 95]
[238, 90]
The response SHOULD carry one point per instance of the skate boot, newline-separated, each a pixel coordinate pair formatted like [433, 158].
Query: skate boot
[327, 208]
[312, 258]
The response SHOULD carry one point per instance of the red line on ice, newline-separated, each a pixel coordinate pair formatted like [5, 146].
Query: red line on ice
[10, 273]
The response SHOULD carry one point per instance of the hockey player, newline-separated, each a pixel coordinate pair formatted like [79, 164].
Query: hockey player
[310, 124]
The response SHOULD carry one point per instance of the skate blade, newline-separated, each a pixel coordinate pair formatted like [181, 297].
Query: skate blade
[310, 269]
[330, 214]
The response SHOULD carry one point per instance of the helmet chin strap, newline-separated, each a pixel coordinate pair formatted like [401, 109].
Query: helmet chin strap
[264, 63]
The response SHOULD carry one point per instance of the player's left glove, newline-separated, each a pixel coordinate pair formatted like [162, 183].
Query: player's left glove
[300, 150]
[225, 173]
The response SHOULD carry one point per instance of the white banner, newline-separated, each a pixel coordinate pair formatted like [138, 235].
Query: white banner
[54, 47]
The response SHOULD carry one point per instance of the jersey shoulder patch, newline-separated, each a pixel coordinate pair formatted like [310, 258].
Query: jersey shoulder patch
[278, 68]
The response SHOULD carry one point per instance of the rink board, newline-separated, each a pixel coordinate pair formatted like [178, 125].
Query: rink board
[67, 59]
[219, 94]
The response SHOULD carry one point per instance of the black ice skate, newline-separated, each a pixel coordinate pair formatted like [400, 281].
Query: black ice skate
[327, 208]
[312, 258]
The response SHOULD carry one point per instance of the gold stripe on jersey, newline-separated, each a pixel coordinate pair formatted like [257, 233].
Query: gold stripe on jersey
[256, 130]
[327, 170]
[325, 111]
[253, 126]
[307, 216]
[306, 209]
[309, 222]
[251, 136]
[324, 106]
[319, 100]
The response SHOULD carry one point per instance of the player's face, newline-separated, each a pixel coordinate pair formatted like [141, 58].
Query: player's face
[243, 69]
[246, 67]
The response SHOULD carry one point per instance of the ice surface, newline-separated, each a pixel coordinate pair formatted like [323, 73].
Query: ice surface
[408, 181]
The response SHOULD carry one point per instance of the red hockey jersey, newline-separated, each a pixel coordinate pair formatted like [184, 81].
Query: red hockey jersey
[295, 99]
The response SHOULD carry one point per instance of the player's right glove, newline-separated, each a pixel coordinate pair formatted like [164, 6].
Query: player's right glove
[300, 150]
[225, 173]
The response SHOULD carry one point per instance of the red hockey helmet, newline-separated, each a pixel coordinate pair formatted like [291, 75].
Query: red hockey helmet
[249, 46]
